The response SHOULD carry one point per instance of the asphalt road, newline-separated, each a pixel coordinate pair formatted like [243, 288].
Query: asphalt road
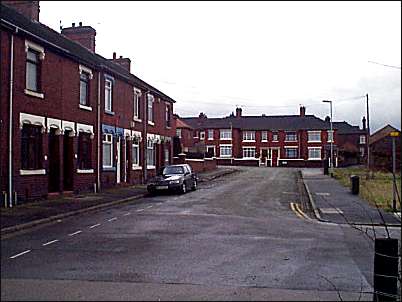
[235, 238]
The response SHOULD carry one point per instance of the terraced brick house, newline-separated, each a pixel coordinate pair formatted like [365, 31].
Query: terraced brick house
[273, 141]
[72, 120]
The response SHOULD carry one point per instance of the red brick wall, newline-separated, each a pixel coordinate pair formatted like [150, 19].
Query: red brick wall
[4, 108]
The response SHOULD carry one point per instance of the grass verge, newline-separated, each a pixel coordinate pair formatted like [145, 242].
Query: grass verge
[375, 186]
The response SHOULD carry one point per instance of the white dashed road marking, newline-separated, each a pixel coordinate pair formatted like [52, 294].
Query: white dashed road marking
[50, 242]
[140, 210]
[15, 256]
[94, 226]
[111, 219]
[127, 214]
[148, 207]
[72, 234]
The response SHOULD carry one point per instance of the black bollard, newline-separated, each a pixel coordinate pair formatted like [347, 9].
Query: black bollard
[355, 184]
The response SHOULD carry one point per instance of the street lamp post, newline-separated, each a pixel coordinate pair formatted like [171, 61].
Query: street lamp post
[332, 136]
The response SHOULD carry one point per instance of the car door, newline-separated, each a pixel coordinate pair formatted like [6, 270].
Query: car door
[188, 176]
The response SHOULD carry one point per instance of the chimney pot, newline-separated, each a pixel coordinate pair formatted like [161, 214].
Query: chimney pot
[302, 111]
[238, 112]
[80, 23]
[73, 24]
[121, 57]
[364, 122]
[114, 55]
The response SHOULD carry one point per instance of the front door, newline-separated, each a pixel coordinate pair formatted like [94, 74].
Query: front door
[54, 161]
[118, 170]
[264, 155]
[68, 161]
[126, 161]
[274, 157]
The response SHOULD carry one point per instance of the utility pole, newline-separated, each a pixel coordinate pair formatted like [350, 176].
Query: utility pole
[332, 138]
[368, 132]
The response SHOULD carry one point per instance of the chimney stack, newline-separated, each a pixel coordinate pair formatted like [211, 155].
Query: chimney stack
[123, 62]
[238, 112]
[85, 35]
[364, 122]
[327, 119]
[29, 9]
[302, 111]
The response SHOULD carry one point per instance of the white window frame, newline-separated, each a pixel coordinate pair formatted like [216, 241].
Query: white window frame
[224, 137]
[247, 150]
[248, 136]
[168, 117]
[221, 147]
[277, 136]
[314, 148]
[362, 139]
[150, 109]
[108, 141]
[211, 146]
[136, 105]
[264, 134]
[330, 136]
[211, 134]
[151, 146]
[293, 148]
[202, 135]
[178, 132]
[135, 165]
[109, 92]
[313, 132]
[295, 136]
[361, 151]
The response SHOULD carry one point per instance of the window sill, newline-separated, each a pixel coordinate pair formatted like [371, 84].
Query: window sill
[108, 169]
[151, 123]
[151, 167]
[33, 172]
[275, 141]
[109, 112]
[35, 94]
[290, 141]
[314, 159]
[264, 141]
[135, 119]
[136, 168]
[88, 108]
[314, 142]
[226, 139]
[248, 141]
[85, 171]
[168, 127]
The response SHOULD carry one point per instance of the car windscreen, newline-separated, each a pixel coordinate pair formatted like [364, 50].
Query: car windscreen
[173, 170]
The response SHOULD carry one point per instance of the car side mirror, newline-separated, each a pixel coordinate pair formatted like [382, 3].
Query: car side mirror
[187, 173]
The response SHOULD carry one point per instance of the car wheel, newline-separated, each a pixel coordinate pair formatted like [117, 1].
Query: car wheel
[194, 187]
[183, 188]
[151, 192]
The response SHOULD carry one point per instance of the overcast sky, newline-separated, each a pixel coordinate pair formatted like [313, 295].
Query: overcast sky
[266, 57]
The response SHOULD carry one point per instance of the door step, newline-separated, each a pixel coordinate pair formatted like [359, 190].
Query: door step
[53, 195]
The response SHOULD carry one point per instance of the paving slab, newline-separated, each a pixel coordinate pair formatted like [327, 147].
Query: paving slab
[337, 204]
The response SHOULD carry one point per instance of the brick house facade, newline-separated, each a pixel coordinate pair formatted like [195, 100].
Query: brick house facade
[381, 149]
[275, 141]
[79, 122]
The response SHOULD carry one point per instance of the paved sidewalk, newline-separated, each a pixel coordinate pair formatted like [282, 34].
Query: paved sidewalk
[335, 203]
[43, 211]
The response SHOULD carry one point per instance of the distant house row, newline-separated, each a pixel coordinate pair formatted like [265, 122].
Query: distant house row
[72, 120]
[274, 141]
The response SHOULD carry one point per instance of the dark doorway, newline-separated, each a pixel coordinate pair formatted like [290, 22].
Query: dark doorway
[54, 161]
[68, 165]
[264, 155]
[274, 159]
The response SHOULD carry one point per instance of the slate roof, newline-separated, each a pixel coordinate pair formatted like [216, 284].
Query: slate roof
[43, 34]
[346, 128]
[273, 122]
[383, 132]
